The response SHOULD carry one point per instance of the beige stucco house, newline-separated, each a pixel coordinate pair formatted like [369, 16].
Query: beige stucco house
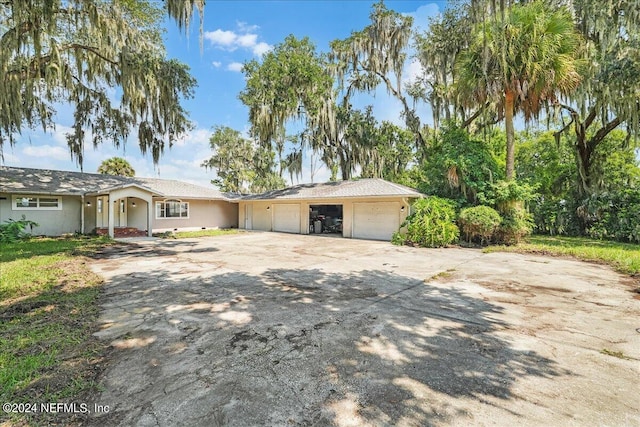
[363, 209]
[75, 202]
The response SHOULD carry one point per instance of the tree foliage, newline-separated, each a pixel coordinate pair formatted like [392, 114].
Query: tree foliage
[290, 82]
[241, 165]
[438, 50]
[460, 168]
[75, 53]
[116, 166]
[373, 56]
[520, 61]
[608, 96]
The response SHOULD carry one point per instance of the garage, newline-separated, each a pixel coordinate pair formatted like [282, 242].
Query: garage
[368, 208]
[286, 218]
[375, 220]
[326, 219]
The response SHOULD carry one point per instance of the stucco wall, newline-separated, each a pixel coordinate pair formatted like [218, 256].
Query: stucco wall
[52, 222]
[261, 216]
[89, 214]
[202, 213]
[137, 216]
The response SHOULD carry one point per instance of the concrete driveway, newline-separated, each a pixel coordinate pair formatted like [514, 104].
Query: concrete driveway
[279, 329]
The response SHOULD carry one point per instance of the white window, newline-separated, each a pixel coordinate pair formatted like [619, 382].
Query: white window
[48, 203]
[172, 209]
[99, 205]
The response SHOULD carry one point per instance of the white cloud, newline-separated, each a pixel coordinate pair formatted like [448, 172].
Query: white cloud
[261, 48]
[50, 151]
[422, 15]
[195, 137]
[412, 71]
[235, 66]
[245, 38]
[59, 134]
[246, 28]
[221, 38]
[216, 64]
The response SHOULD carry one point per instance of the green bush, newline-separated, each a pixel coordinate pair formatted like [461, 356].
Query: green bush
[512, 194]
[12, 230]
[612, 215]
[479, 223]
[516, 224]
[554, 216]
[431, 224]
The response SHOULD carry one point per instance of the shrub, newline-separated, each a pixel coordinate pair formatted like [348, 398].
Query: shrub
[12, 230]
[516, 223]
[612, 215]
[555, 216]
[431, 224]
[479, 223]
[512, 195]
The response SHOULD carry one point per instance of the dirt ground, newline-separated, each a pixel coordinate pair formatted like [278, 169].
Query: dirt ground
[278, 329]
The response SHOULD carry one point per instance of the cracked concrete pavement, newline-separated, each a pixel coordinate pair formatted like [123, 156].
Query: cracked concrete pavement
[279, 329]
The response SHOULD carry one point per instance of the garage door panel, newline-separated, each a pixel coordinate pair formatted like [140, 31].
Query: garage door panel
[286, 218]
[375, 220]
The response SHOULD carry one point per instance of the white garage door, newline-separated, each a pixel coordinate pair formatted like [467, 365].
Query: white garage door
[286, 218]
[375, 221]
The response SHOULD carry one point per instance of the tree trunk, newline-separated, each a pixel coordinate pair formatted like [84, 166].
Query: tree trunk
[511, 143]
[583, 152]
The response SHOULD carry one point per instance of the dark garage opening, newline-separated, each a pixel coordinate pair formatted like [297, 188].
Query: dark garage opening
[325, 219]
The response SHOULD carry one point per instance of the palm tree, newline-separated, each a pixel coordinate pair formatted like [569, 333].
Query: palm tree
[116, 166]
[519, 63]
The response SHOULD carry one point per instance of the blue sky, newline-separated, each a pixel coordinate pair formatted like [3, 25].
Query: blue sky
[234, 32]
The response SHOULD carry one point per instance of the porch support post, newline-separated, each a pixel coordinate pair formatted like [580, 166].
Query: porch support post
[111, 216]
[150, 216]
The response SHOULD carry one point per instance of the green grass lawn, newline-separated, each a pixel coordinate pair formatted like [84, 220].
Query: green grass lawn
[48, 308]
[623, 257]
[200, 233]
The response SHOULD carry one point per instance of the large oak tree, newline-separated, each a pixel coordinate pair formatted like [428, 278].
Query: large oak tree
[104, 59]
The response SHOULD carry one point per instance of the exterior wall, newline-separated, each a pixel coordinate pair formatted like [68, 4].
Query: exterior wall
[262, 217]
[90, 214]
[52, 222]
[202, 213]
[137, 215]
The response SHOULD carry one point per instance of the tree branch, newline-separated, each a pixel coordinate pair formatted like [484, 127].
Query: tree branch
[603, 132]
[474, 116]
[37, 64]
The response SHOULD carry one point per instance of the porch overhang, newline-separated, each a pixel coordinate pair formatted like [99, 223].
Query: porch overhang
[123, 192]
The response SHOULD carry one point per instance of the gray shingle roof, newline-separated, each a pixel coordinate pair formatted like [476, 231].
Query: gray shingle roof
[42, 181]
[371, 187]
[173, 188]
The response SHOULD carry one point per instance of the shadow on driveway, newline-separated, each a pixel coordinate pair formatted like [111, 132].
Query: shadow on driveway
[302, 347]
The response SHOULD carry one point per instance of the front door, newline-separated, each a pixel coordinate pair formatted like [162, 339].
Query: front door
[122, 213]
[102, 213]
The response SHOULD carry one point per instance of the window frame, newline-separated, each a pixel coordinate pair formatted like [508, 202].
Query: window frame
[16, 198]
[161, 208]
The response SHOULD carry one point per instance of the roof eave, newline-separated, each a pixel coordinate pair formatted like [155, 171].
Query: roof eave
[378, 196]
